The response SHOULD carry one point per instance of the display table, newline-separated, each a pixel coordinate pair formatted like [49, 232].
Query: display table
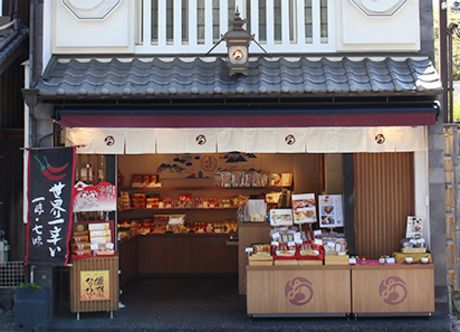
[393, 289]
[298, 290]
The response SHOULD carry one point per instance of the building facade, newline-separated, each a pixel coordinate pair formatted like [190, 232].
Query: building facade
[349, 77]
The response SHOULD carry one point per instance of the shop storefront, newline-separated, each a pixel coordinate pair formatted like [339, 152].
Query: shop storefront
[314, 201]
[189, 204]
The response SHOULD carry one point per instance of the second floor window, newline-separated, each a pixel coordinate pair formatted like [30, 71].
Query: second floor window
[202, 22]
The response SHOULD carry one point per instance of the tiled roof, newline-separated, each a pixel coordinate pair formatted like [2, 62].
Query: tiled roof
[179, 77]
[10, 40]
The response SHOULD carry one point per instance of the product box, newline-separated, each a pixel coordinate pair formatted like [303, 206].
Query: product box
[98, 233]
[260, 260]
[101, 239]
[280, 217]
[98, 226]
[336, 260]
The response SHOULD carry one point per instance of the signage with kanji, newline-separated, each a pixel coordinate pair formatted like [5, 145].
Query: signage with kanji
[50, 199]
[94, 285]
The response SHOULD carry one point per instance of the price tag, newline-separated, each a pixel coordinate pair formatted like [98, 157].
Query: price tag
[275, 243]
[318, 242]
[276, 235]
[94, 246]
[248, 250]
[317, 232]
[291, 244]
[109, 246]
[298, 237]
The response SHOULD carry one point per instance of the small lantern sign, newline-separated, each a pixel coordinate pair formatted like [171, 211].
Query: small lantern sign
[238, 40]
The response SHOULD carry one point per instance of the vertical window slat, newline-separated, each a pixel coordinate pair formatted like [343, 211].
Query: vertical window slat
[270, 22]
[316, 19]
[262, 21]
[254, 28]
[276, 22]
[324, 22]
[147, 24]
[193, 24]
[231, 12]
[215, 21]
[223, 16]
[247, 15]
[170, 21]
[300, 21]
[185, 21]
[140, 20]
[177, 22]
[285, 24]
[308, 22]
[208, 22]
[162, 22]
[151, 22]
[293, 21]
[200, 21]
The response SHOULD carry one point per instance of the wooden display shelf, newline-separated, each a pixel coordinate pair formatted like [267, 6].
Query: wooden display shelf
[185, 188]
[393, 289]
[175, 209]
[298, 290]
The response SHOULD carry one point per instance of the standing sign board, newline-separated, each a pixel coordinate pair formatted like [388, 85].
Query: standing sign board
[330, 211]
[50, 202]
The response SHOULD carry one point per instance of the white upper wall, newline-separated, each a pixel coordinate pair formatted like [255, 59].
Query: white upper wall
[382, 25]
[128, 26]
[93, 26]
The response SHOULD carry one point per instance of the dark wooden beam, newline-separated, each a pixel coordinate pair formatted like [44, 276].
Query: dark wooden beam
[349, 201]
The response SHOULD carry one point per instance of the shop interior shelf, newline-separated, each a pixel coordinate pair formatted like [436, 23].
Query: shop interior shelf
[182, 188]
[176, 209]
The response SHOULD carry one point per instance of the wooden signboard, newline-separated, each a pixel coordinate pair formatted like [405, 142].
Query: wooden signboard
[94, 284]
[285, 290]
[393, 289]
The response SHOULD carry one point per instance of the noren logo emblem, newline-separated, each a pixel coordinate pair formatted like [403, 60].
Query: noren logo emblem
[201, 140]
[393, 290]
[380, 139]
[109, 140]
[298, 291]
[290, 139]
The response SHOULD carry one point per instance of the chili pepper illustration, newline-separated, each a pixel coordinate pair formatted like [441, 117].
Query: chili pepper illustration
[46, 171]
[55, 169]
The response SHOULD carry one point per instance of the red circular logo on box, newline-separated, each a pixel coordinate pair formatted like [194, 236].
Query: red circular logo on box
[393, 290]
[298, 291]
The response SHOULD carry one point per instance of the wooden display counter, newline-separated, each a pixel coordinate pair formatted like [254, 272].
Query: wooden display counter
[129, 259]
[298, 290]
[94, 285]
[248, 234]
[177, 253]
[393, 289]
